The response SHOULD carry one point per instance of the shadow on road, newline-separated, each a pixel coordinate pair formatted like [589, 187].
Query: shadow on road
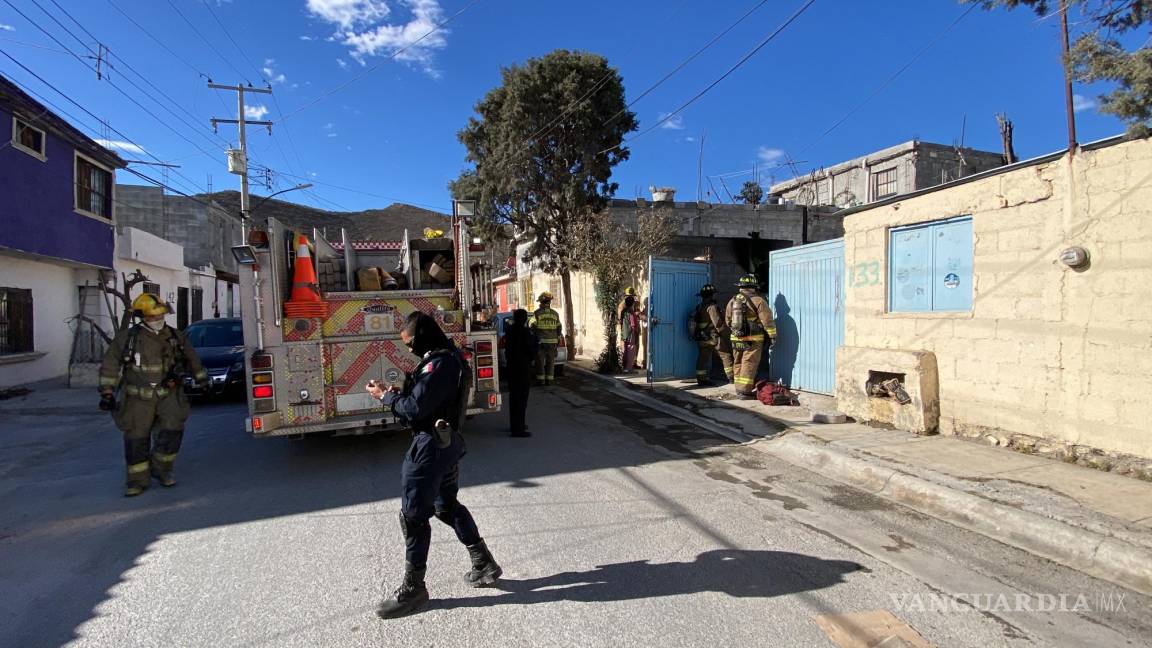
[734, 572]
[68, 538]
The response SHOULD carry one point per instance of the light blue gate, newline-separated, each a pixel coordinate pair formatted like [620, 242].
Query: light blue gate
[806, 290]
[672, 296]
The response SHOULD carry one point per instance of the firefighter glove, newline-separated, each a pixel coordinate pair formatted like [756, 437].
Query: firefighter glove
[107, 402]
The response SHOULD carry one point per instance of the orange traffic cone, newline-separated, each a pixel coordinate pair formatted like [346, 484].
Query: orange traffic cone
[305, 300]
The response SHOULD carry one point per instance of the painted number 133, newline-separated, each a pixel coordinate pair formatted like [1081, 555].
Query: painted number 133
[864, 274]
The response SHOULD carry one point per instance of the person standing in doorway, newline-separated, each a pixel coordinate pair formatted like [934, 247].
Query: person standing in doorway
[629, 332]
[545, 323]
[710, 332]
[749, 319]
[520, 348]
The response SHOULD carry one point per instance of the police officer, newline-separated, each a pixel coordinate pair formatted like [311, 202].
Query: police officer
[431, 404]
[148, 363]
[545, 323]
[710, 332]
[520, 348]
[749, 318]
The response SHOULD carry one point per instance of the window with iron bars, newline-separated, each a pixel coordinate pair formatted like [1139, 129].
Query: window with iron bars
[884, 184]
[16, 321]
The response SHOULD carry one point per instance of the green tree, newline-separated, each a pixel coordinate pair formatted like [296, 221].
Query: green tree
[1097, 55]
[542, 147]
[751, 193]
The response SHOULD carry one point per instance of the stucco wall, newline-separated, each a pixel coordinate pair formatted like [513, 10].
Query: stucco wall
[1045, 351]
[55, 290]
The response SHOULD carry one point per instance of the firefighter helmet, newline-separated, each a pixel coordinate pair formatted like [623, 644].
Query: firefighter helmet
[149, 305]
[748, 281]
[629, 292]
[544, 297]
[707, 290]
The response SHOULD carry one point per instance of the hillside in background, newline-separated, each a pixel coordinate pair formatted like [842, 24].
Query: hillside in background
[386, 224]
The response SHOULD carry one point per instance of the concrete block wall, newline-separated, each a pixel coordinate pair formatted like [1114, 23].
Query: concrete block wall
[1046, 351]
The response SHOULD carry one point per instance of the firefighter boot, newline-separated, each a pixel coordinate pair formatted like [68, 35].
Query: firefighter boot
[137, 481]
[484, 570]
[161, 466]
[408, 598]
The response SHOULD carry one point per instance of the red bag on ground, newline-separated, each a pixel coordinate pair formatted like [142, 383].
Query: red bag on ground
[771, 393]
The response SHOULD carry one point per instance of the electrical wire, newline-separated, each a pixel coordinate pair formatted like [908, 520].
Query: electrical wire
[207, 42]
[768, 39]
[259, 72]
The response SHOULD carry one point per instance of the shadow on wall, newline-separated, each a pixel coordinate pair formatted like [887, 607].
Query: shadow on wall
[782, 357]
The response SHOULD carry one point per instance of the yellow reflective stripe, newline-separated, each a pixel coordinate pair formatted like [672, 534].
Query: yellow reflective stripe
[748, 338]
[138, 467]
[108, 382]
[544, 340]
[771, 331]
[168, 458]
[740, 380]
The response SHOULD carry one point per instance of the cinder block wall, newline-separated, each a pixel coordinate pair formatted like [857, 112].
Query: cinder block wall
[1046, 351]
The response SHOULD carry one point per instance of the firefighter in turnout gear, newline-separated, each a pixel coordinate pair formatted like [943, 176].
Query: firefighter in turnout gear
[145, 366]
[432, 402]
[708, 328]
[545, 323]
[751, 329]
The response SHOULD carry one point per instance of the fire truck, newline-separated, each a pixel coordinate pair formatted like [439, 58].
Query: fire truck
[320, 322]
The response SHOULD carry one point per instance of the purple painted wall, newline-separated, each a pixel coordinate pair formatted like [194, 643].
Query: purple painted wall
[36, 204]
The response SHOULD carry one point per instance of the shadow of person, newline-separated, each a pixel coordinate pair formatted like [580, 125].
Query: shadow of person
[782, 356]
[734, 572]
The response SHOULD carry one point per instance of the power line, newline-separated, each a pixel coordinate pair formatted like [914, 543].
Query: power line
[690, 58]
[359, 191]
[259, 72]
[50, 49]
[373, 68]
[207, 42]
[728, 72]
[46, 32]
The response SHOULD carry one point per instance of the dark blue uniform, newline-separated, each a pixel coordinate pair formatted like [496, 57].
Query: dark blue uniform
[430, 474]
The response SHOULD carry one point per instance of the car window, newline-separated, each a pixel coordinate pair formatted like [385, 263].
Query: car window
[216, 335]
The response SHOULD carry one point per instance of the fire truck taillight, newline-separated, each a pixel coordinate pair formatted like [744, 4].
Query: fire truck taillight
[262, 391]
[257, 424]
[485, 372]
[263, 378]
[491, 401]
[261, 361]
[484, 361]
[484, 346]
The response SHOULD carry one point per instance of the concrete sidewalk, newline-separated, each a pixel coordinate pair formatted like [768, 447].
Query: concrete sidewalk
[1097, 522]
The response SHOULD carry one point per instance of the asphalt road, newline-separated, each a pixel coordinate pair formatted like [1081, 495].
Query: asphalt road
[615, 525]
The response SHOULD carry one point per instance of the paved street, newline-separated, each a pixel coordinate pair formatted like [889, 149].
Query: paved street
[615, 525]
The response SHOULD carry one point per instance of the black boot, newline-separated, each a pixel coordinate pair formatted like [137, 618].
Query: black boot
[408, 598]
[484, 570]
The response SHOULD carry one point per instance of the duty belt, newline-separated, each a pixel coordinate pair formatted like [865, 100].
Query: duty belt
[147, 393]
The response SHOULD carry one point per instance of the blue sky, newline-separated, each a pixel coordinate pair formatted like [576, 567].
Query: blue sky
[352, 114]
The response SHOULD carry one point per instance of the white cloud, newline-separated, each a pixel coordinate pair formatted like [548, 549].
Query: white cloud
[675, 123]
[333, 134]
[342, 63]
[270, 73]
[307, 38]
[362, 25]
[1081, 103]
[769, 155]
[117, 145]
[4, 27]
[329, 126]
[689, 139]
[255, 112]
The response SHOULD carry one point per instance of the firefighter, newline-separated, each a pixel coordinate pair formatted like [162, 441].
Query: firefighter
[710, 332]
[545, 323]
[751, 329]
[147, 363]
[432, 403]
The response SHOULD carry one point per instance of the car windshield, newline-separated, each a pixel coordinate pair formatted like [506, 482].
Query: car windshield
[216, 335]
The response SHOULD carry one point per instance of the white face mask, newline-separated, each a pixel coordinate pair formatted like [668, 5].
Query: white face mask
[155, 326]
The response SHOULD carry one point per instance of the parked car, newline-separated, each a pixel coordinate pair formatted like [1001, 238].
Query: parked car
[561, 350]
[220, 345]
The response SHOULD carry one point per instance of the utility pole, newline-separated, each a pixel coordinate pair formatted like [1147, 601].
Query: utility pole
[238, 159]
[1067, 78]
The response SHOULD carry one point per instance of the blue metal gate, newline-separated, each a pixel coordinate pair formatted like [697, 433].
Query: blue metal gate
[672, 296]
[806, 290]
